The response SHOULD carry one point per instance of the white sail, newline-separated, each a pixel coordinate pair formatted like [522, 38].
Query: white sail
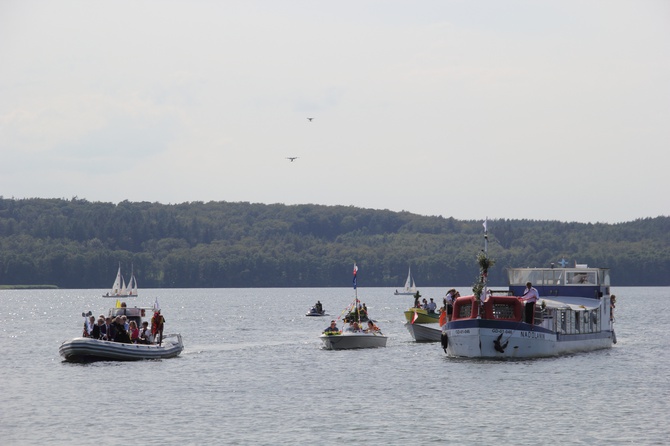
[410, 286]
[116, 288]
[408, 282]
[132, 286]
[120, 288]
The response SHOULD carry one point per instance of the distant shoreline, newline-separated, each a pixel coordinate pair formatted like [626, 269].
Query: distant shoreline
[28, 287]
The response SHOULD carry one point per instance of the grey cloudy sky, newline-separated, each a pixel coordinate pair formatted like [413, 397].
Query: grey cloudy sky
[551, 110]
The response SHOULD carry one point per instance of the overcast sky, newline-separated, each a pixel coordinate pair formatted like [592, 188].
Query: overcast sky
[544, 110]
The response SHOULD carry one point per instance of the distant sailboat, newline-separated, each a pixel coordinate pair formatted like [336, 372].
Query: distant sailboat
[120, 289]
[410, 286]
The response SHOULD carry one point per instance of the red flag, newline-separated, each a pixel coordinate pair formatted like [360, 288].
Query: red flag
[443, 318]
[416, 316]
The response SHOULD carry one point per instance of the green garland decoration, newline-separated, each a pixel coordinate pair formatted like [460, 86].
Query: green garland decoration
[485, 263]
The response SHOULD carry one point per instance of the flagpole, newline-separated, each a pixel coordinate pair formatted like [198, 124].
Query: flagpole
[486, 251]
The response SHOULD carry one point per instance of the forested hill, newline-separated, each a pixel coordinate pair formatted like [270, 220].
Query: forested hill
[79, 244]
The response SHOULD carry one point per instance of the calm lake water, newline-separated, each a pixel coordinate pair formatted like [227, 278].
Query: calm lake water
[253, 372]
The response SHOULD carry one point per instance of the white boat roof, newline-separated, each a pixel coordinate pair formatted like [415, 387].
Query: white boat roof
[572, 303]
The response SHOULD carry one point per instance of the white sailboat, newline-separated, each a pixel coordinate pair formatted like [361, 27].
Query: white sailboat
[410, 286]
[120, 289]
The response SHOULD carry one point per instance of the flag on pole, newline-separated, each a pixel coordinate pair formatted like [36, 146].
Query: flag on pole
[415, 317]
[355, 273]
[486, 224]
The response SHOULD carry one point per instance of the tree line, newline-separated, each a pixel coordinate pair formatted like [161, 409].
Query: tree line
[79, 244]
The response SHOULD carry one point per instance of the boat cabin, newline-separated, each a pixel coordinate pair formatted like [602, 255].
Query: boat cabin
[580, 281]
[132, 314]
[571, 299]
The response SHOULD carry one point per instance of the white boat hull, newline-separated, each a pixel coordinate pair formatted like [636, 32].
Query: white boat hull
[526, 342]
[346, 341]
[87, 349]
[424, 332]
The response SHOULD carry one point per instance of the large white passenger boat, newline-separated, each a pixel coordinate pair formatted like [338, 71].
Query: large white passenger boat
[573, 314]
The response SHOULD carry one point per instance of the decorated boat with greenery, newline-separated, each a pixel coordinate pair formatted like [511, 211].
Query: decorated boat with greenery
[544, 312]
[359, 331]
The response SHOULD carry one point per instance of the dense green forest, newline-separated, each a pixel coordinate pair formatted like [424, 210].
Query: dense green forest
[79, 244]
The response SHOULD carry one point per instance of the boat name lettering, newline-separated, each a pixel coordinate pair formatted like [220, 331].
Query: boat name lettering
[500, 330]
[462, 331]
[532, 334]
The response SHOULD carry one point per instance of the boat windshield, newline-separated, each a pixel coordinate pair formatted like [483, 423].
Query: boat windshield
[559, 276]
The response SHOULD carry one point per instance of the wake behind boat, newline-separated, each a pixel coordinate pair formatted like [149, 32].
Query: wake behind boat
[575, 315]
[98, 343]
[360, 332]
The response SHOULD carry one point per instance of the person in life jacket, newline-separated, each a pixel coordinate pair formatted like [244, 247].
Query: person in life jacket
[157, 322]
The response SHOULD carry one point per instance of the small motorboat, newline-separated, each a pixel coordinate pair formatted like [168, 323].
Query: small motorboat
[421, 316]
[316, 313]
[353, 339]
[424, 332]
[86, 349]
[356, 334]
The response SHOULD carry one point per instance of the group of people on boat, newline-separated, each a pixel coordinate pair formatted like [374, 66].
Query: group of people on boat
[431, 306]
[353, 327]
[120, 329]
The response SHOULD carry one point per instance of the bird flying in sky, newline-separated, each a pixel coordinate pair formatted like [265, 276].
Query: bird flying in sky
[292, 158]
[310, 119]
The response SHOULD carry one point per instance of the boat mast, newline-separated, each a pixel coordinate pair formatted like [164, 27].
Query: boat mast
[358, 314]
[486, 254]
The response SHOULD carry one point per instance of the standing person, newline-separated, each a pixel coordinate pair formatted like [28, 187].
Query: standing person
[612, 306]
[449, 302]
[432, 306]
[417, 300]
[157, 323]
[530, 296]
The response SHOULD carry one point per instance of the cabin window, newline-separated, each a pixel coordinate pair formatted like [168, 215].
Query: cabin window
[570, 315]
[595, 325]
[465, 311]
[581, 278]
[503, 311]
[563, 321]
[551, 277]
[578, 321]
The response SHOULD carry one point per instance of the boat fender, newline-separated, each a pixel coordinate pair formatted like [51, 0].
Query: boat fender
[444, 340]
[613, 337]
[500, 347]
